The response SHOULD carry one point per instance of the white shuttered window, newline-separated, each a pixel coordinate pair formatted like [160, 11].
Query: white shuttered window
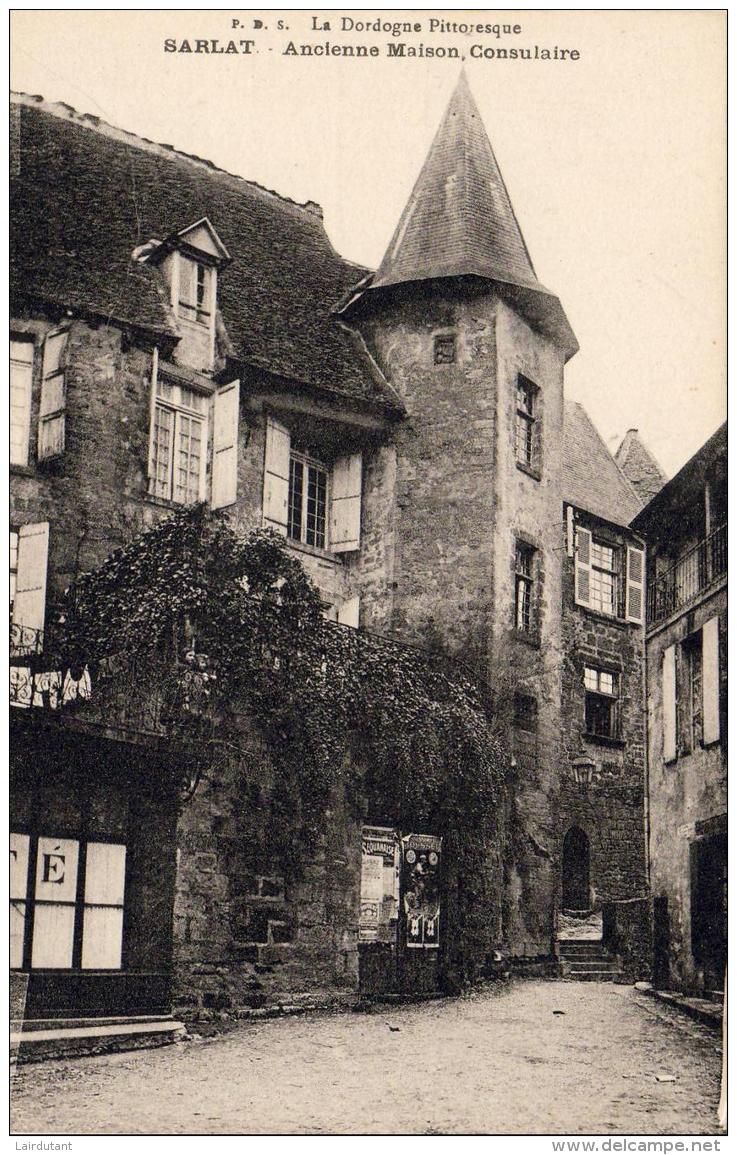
[31, 559]
[21, 383]
[225, 446]
[635, 584]
[52, 409]
[710, 680]
[345, 504]
[669, 704]
[178, 446]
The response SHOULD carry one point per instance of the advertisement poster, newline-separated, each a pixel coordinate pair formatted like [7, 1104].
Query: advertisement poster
[421, 889]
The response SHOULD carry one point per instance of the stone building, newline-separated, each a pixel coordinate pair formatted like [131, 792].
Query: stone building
[180, 335]
[686, 528]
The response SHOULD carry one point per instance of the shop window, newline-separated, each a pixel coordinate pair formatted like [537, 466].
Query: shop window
[66, 903]
[602, 703]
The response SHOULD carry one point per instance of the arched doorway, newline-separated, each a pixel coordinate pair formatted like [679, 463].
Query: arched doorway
[576, 860]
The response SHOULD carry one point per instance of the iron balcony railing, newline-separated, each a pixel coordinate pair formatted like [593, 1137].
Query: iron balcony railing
[691, 576]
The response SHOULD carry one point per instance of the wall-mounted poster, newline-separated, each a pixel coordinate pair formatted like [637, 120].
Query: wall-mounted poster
[379, 885]
[421, 889]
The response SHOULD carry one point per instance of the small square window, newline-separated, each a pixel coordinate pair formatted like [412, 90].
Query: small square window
[444, 349]
[602, 702]
[525, 712]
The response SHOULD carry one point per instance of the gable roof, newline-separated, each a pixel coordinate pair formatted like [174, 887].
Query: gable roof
[459, 221]
[591, 478]
[86, 195]
[639, 466]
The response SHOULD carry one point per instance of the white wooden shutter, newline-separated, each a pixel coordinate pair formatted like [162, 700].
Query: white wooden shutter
[710, 679]
[669, 704]
[348, 612]
[52, 410]
[583, 566]
[21, 384]
[345, 504]
[29, 606]
[570, 531]
[276, 476]
[225, 446]
[635, 585]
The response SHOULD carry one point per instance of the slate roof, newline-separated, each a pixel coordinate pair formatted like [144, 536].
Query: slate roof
[639, 466]
[591, 478]
[459, 221]
[685, 488]
[87, 194]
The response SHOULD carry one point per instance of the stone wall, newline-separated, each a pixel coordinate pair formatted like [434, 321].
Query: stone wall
[462, 504]
[243, 938]
[611, 809]
[683, 794]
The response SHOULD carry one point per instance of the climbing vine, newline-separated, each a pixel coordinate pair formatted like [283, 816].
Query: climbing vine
[404, 731]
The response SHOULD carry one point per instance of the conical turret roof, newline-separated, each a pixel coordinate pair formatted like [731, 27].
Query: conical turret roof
[459, 221]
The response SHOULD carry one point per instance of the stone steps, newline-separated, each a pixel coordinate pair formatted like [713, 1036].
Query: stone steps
[586, 960]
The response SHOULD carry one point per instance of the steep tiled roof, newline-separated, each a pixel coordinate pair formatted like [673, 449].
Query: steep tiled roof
[592, 480]
[459, 221]
[86, 195]
[639, 466]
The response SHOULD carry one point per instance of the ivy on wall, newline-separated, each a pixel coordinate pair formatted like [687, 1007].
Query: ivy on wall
[339, 708]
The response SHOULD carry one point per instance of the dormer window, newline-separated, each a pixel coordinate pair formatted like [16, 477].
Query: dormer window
[195, 290]
[190, 261]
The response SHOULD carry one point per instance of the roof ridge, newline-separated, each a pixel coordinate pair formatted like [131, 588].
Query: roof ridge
[89, 120]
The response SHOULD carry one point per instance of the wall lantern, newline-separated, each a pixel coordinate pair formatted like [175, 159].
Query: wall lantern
[583, 770]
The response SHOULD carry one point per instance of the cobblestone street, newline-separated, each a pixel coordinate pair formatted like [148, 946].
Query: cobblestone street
[537, 1057]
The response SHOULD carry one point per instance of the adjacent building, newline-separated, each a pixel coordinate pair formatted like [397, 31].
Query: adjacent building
[686, 651]
[179, 335]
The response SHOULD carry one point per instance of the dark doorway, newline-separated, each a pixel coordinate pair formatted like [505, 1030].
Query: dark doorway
[576, 870]
[709, 908]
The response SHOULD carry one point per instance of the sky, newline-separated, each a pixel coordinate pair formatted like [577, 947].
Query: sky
[615, 161]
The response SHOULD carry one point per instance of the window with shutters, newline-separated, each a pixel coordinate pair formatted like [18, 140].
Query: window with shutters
[605, 567]
[308, 500]
[609, 576]
[21, 386]
[52, 408]
[527, 426]
[67, 898]
[178, 448]
[601, 702]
